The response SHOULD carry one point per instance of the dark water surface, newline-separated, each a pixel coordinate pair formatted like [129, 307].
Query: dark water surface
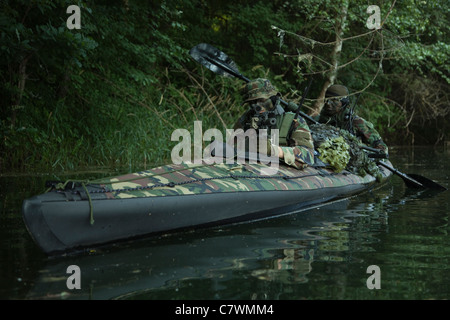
[319, 254]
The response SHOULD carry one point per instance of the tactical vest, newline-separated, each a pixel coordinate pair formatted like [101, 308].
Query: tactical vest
[284, 122]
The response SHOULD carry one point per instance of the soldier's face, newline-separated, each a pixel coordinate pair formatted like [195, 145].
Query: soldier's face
[332, 106]
[264, 104]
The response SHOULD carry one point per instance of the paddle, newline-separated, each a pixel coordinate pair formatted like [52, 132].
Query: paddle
[411, 180]
[218, 62]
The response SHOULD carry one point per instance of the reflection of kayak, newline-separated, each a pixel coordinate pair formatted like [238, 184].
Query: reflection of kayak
[146, 269]
[175, 197]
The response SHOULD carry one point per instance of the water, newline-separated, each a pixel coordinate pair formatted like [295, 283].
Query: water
[320, 254]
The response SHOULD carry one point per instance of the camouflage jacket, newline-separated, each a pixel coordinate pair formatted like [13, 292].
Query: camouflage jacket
[299, 153]
[359, 127]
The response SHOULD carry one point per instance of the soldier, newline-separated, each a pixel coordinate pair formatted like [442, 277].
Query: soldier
[337, 112]
[265, 111]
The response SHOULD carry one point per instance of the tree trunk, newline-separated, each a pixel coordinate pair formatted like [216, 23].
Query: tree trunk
[21, 88]
[331, 76]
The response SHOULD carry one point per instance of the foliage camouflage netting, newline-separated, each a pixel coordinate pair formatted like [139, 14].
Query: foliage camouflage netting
[340, 150]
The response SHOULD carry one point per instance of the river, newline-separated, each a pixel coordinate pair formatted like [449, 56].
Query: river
[319, 254]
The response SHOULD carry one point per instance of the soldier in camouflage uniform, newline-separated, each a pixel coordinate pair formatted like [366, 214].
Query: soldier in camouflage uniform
[337, 112]
[298, 151]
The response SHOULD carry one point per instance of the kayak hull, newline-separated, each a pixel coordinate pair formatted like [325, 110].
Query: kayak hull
[81, 217]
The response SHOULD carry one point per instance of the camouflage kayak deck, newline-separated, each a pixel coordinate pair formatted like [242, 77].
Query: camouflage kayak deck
[189, 179]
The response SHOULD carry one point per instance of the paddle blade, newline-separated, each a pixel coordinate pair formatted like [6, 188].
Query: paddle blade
[214, 59]
[427, 182]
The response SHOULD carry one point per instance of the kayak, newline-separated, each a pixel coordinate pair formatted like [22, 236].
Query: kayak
[83, 214]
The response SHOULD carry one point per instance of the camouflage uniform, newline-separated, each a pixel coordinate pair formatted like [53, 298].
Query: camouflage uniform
[299, 150]
[345, 119]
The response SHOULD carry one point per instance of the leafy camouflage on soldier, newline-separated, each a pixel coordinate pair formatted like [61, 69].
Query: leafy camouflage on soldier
[338, 113]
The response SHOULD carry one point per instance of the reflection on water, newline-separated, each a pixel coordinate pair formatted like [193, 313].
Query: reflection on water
[280, 250]
[319, 254]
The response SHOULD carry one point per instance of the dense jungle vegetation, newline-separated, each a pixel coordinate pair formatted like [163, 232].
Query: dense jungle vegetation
[112, 92]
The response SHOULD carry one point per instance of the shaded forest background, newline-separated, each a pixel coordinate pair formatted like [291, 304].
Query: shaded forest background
[112, 92]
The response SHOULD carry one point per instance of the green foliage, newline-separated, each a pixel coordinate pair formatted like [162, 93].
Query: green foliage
[111, 93]
[79, 102]
[413, 44]
[335, 152]
[341, 150]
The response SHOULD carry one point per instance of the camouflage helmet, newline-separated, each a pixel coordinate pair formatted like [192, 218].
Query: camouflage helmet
[258, 89]
[337, 90]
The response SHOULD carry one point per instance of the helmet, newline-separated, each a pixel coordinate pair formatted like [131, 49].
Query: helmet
[337, 90]
[258, 89]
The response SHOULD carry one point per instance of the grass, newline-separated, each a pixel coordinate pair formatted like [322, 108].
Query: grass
[118, 125]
